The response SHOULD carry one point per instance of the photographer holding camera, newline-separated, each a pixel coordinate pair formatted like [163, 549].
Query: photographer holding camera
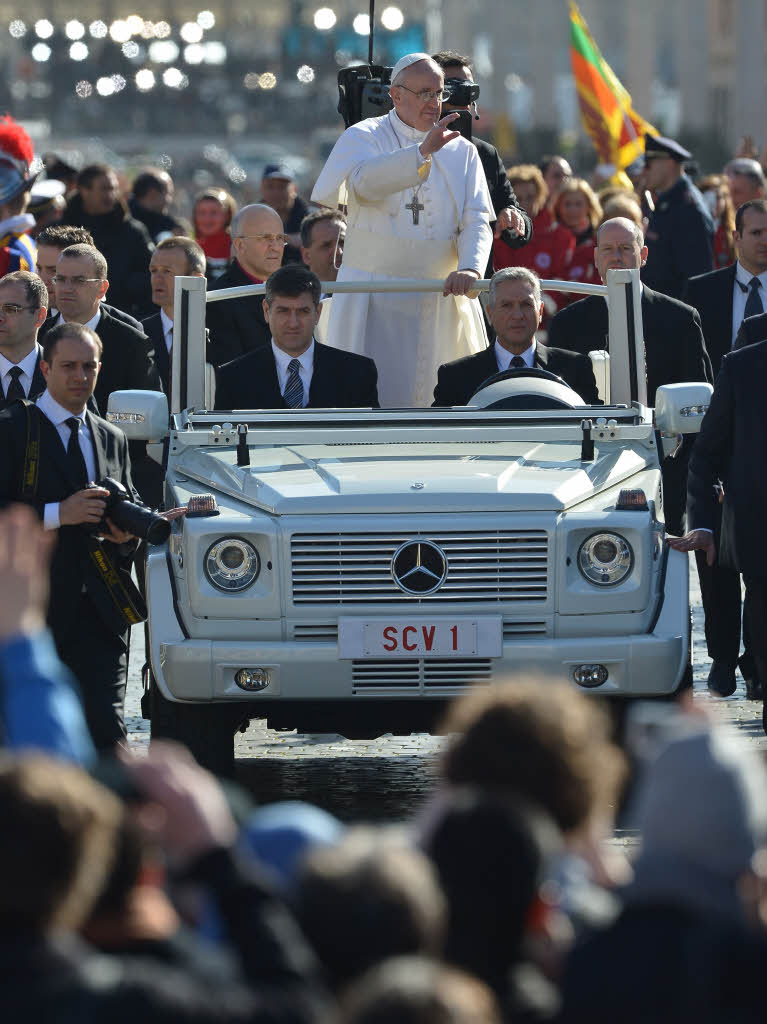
[52, 452]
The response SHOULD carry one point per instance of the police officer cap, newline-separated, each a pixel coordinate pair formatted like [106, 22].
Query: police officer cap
[659, 144]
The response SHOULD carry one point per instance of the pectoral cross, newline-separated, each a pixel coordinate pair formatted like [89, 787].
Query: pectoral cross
[414, 206]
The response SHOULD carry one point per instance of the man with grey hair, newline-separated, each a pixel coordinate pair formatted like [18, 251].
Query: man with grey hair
[515, 310]
[418, 207]
[746, 180]
[238, 326]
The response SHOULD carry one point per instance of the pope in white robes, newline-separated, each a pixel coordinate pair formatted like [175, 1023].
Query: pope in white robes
[417, 207]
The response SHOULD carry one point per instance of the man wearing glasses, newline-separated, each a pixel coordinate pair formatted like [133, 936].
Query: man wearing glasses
[418, 207]
[127, 359]
[23, 305]
[238, 326]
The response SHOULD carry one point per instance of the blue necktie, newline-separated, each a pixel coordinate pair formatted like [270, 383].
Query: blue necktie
[294, 389]
[754, 301]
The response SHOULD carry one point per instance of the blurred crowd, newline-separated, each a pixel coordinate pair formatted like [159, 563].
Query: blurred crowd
[142, 888]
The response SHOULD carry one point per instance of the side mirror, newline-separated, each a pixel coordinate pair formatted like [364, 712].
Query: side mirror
[141, 415]
[680, 408]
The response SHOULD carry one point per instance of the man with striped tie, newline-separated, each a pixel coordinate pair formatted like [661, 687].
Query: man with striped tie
[295, 370]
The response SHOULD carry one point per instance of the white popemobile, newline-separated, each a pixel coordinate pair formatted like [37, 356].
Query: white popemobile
[352, 570]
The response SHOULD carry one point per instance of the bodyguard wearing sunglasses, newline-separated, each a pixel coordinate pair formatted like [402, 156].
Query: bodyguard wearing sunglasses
[511, 221]
[23, 305]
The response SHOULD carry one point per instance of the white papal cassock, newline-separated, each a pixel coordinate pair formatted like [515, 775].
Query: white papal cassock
[374, 170]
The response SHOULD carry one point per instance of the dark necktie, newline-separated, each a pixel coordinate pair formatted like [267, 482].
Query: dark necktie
[78, 471]
[15, 389]
[517, 363]
[754, 301]
[294, 389]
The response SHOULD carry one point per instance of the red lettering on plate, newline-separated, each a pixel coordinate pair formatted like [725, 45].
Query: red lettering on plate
[454, 631]
[390, 634]
[405, 644]
[428, 636]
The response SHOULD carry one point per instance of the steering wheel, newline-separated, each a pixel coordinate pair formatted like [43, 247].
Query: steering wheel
[555, 397]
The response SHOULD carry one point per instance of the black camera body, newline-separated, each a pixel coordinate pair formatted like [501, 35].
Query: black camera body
[130, 517]
[363, 91]
[462, 94]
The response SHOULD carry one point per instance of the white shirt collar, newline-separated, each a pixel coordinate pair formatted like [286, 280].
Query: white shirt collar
[503, 357]
[743, 277]
[306, 359]
[167, 323]
[404, 130]
[27, 364]
[56, 413]
[92, 323]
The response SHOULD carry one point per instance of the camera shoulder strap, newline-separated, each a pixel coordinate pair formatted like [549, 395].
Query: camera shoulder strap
[128, 604]
[31, 473]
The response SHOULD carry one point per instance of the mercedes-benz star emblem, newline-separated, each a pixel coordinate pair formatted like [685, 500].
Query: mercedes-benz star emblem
[419, 567]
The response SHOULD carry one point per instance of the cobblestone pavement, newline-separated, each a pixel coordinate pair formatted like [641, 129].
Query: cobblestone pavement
[387, 778]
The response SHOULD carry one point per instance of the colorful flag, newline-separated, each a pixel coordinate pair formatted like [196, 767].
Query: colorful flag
[614, 127]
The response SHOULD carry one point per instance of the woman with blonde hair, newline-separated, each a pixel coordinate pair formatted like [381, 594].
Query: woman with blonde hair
[578, 209]
[716, 192]
[212, 214]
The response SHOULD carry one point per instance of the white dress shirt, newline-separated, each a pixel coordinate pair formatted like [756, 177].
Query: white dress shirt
[58, 416]
[167, 329]
[503, 357]
[740, 297]
[92, 323]
[306, 359]
[27, 366]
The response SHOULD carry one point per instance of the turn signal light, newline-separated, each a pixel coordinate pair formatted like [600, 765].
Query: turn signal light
[632, 500]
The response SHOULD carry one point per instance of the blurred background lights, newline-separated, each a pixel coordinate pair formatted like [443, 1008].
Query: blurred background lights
[17, 28]
[267, 80]
[162, 29]
[84, 89]
[98, 29]
[74, 30]
[78, 51]
[135, 24]
[131, 49]
[163, 51]
[206, 19]
[215, 53]
[194, 53]
[41, 52]
[190, 32]
[174, 78]
[392, 18]
[147, 31]
[119, 82]
[145, 79]
[324, 18]
[105, 86]
[361, 25]
[305, 74]
[120, 31]
[43, 28]
[251, 80]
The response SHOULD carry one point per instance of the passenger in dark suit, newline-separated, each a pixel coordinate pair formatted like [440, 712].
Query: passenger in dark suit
[294, 370]
[173, 257]
[723, 298]
[515, 311]
[732, 447]
[674, 348]
[75, 449]
[238, 326]
[752, 330]
[127, 360]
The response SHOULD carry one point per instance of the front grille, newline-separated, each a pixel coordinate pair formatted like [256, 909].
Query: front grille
[419, 673]
[513, 630]
[319, 634]
[483, 566]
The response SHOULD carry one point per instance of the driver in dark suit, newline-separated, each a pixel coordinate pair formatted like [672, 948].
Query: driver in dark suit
[515, 310]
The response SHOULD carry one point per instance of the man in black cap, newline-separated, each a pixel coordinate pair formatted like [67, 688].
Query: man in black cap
[680, 234]
[278, 190]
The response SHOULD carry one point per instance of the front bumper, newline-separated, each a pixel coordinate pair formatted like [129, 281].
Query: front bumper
[650, 664]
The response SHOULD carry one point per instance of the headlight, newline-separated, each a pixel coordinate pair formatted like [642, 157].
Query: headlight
[232, 564]
[605, 559]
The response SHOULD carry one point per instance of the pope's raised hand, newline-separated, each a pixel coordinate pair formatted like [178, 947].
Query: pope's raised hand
[439, 135]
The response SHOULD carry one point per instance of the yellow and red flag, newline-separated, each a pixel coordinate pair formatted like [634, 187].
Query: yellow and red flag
[613, 125]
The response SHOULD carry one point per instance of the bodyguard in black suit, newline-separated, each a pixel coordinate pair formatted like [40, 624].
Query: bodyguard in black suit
[732, 447]
[752, 330]
[238, 326]
[294, 370]
[23, 301]
[89, 617]
[515, 310]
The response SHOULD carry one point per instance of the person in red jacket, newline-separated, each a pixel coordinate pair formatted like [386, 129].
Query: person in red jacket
[212, 214]
[549, 251]
[578, 209]
[716, 191]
